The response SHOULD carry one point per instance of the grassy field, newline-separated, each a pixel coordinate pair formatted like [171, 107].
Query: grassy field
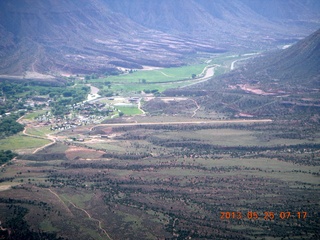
[159, 75]
[20, 141]
[33, 115]
[47, 226]
[39, 131]
[162, 79]
[129, 111]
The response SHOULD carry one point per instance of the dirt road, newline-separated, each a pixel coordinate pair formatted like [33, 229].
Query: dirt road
[68, 210]
[186, 122]
[89, 216]
[198, 107]
[48, 137]
[139, 107]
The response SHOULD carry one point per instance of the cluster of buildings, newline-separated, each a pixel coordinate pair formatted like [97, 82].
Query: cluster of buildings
[79, 115]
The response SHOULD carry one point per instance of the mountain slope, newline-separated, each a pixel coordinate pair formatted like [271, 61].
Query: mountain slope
[78, 36]
[296, 66]
[244, 20]
[282, 85]
[81, 37]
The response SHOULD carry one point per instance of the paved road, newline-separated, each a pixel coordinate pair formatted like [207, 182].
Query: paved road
[242, 59]
[93, 93]
[206, 77]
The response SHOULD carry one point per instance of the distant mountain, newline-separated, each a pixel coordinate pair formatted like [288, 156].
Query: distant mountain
[243, 20]
[283, 84]
[296, 66]
[79, 36]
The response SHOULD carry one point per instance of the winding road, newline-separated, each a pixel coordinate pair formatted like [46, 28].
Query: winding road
[198, 107]
[209, 72]
[68, 210]
[242, 59]
[49, 137]
[139, 107]
[232, 64]
[89, 216]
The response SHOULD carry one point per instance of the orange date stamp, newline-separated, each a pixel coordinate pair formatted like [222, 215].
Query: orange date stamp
[263, 216]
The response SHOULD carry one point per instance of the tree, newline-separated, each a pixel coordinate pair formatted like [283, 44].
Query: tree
[67, 94]
[193, 76]
[94, 76]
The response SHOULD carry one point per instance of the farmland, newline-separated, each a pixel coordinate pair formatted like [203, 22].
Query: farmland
[21, 142]
[160, 79]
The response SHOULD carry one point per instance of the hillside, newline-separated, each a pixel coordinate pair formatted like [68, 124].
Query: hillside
[47, 36]
[279, 84]
[98, 36]
[295, 67]
[229, 23]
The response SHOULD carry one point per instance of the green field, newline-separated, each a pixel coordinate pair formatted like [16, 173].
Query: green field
[20, 141]
[129, 111]
[33, 115]
[160, 79]
[166, 78]
[159, 75]
[39, 131]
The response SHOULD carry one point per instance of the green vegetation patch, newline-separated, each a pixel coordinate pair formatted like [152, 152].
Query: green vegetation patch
[128, 110]
[158, 75]
[148, 81]
[6, 156]
[47, 226]
[78, 199]
[21, 142]
[33, 115]
[39, 131]
[9, 126]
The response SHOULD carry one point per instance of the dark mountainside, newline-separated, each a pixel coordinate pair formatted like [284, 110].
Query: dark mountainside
[85, 36]
[296, 66]
[278, 84]
[223, 19]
